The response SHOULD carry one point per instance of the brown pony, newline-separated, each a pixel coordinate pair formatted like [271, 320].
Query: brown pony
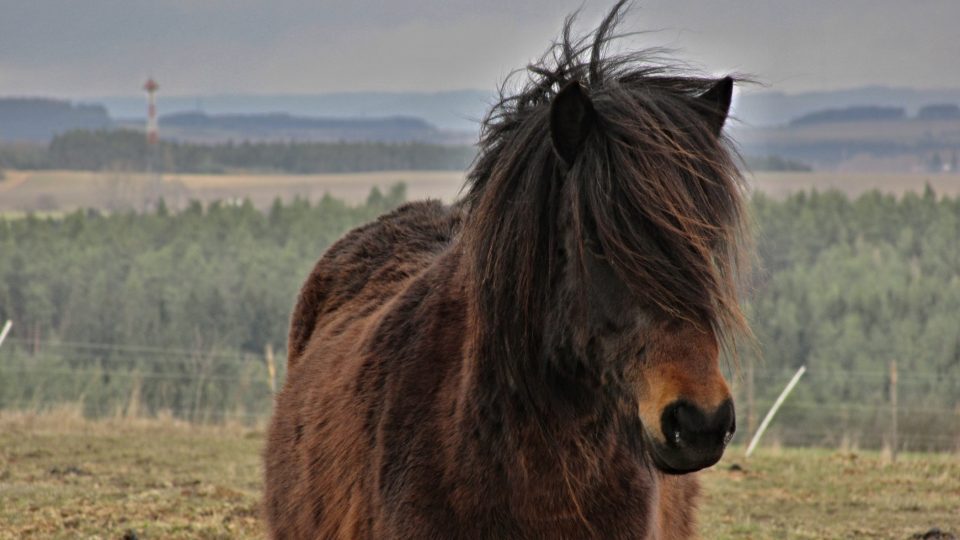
[541, 359]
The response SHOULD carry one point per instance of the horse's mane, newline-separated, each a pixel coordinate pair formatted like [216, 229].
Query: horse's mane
[654, 186]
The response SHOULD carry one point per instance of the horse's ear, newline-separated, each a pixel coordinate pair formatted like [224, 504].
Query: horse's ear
[571, 119]
[716, 103]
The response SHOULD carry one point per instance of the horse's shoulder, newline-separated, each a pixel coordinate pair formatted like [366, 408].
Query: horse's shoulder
[378, 253]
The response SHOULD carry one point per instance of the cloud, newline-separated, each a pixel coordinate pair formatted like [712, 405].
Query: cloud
[107, 47]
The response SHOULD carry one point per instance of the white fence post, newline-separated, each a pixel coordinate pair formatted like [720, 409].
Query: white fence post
[773, 410]
[5, 331]
[894, 444]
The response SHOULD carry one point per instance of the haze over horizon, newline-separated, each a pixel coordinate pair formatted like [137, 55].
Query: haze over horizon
[97, 48]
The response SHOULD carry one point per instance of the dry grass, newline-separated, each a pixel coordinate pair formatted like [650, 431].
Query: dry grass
[820, 493]
[65, 477]
[68, 190]
[57, 191]
[781, 184]
[62, 476]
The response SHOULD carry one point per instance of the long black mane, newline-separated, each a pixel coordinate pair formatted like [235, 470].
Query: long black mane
[655, 184]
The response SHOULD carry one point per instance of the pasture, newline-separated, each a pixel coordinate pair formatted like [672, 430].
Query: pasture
[53, 191]
[65, 477]
[47, 191]
[62, 476]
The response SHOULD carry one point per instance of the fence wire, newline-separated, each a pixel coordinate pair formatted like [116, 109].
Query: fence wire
[105, 380]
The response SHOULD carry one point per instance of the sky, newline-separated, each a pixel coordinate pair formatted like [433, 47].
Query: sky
[78, 49]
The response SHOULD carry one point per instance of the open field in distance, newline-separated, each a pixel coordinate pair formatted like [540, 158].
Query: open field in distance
[781, 184]
[50, 191]
[65, 477]
[68, 190]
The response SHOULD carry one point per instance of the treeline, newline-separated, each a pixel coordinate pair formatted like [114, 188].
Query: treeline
[137, 314]
[775, 163]
[176, 310]
[128, 150]
[28, 156]
[847, 287]
[867, 113]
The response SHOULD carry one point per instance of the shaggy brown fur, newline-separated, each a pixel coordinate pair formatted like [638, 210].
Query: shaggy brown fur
[505, 368]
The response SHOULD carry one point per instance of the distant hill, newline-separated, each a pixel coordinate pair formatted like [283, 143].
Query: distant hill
[939, 112]
[901, 145]
[870, 129]
[759, 108]
[39, 119]
[461, 110]
[201, 127]
[458, 110]
[851, 114]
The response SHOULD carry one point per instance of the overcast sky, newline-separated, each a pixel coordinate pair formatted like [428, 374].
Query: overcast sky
[86, 48]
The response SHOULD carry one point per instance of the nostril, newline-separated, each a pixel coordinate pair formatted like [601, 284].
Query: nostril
[680, 422]
[725, 422]
[685, 424]
[727, 438]
[726, 419]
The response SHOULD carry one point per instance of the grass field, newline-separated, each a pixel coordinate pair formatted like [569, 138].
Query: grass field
[63, 477]
[55, 191]
[46, 191]
[780, 184]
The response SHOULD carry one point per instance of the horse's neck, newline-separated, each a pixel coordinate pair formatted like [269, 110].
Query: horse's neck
[541, 427]
[543, 465]
[544, 440]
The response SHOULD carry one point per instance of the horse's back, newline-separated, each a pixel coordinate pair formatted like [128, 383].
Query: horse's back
[368, 266]
[318, 446]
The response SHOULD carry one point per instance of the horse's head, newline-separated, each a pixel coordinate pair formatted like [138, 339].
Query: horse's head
[655, 216]
[605, 233]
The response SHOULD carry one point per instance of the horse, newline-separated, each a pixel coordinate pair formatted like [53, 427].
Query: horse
[542, 358]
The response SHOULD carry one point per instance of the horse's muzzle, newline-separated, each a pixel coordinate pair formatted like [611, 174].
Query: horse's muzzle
[693, 438]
